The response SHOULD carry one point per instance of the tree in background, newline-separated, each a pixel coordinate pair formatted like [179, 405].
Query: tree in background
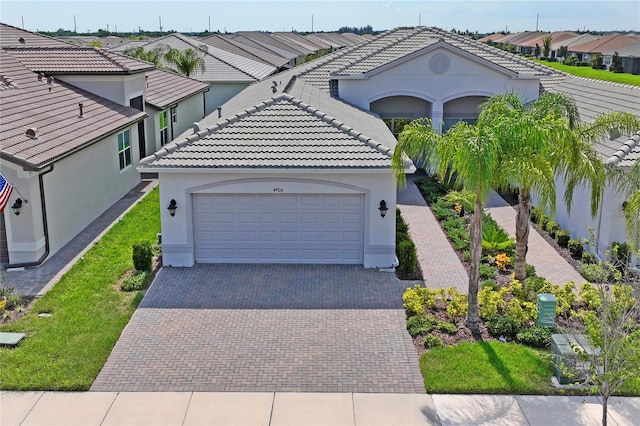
[597, 61]
[187, 62]
[563, 51]
[616, 63]
[154, 55]
[546, 46]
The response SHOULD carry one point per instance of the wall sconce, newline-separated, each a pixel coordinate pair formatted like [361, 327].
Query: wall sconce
[383, 208]
[172, 207]
[17, 205]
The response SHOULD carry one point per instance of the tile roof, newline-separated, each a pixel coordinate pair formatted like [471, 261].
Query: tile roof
[605, 44]
[165, 88]
[131, 44]
[298, 40]
[597, 97]
[11, 36]
[221, 65]
[334, 39]
[264, 46]
[77, 60]
[251, 52]
[53, 110]
[281, 132]
[264, 38]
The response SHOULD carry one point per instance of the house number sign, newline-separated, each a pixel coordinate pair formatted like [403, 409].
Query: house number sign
[278, 189]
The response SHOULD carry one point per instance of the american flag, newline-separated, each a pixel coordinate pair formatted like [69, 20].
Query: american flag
[5, 192]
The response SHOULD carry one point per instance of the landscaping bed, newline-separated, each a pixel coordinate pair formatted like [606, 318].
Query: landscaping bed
[66, 350]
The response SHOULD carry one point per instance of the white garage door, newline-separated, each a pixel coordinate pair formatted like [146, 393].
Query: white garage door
[279, 228]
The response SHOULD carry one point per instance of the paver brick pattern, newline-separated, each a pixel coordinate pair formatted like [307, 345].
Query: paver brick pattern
[441, 267]
[541, 254]
[285, 328]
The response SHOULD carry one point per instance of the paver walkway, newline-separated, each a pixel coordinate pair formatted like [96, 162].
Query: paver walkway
[441, 267]
[36, 281]
[256, 328]
[541, 254]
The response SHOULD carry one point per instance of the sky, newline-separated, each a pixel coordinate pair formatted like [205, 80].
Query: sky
[483, 16]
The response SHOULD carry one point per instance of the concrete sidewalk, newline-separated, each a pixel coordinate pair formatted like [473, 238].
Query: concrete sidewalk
[192, 408]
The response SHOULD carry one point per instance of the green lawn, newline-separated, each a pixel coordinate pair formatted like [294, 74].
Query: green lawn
[67, 350]
[487, 367]
[589, 72]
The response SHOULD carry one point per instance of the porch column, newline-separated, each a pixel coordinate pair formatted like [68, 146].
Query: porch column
[437, 113]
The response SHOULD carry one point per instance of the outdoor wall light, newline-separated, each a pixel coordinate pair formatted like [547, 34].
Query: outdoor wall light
[172, 207]
[383, 208]
[17, 205]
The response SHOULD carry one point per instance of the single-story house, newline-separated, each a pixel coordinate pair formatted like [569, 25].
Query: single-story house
[297, 169]
[226, 72]
[242, 49]
[66, 111]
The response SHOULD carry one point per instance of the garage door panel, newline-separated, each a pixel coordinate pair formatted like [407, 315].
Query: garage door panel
[279, 228]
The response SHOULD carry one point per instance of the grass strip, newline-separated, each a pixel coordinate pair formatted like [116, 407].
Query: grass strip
[67, 350]
[589, 72]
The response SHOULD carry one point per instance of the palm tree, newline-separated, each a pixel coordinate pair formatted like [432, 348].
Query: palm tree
[472, 153]
[542, 140]
[187, 62]
[154, 55]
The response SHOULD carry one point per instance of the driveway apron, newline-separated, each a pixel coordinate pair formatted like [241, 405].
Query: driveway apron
[274, 328]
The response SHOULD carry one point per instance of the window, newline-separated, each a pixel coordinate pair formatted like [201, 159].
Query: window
[174, 114]
[396, 125]
[124, 149]
[164, 131]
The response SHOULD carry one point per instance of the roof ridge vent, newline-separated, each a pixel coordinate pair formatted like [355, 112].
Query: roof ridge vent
[32, 133]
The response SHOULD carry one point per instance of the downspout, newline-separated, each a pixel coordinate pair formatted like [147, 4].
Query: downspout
[45, 227]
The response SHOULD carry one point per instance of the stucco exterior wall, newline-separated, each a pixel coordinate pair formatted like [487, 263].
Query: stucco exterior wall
[117, 88]
[415, 77]
[189, 110]
[177, 231]
[219, 93]
[77, 191]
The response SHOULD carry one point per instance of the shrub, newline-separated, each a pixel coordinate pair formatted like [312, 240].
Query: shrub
[620, 256]
[490, 284]
[447, 327]
[494, 238]
[142, 256]
[6, 292]
[13, 301]
[575, 248]
[588, 258]
[135, 281]
[590, 296]
[401, 226]
[502, 260]
[431, 189]
[442, 213]
[534, 215]
[552, 227]
[432, 341]
[599, 273]
[407, 256]
[420, 324]
[456, 304]
[414, 300]
[487, 271]
[562, 237]
[536, 336]
[500, 325]
[571, 60]
[466, 256]
[530, 271]
[542, 222]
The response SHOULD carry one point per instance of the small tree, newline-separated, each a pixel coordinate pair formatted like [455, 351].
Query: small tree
[597, 62]
[616, 63]
[546, 46]
[536, 52]
[563, 51]
[614, 329]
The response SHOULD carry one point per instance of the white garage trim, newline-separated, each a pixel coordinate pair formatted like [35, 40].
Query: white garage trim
[279, 228]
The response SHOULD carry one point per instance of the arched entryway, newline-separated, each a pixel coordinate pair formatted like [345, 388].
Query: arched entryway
[398, 111]
[465, 109]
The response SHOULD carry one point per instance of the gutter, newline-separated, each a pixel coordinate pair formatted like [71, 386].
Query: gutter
[45, 227]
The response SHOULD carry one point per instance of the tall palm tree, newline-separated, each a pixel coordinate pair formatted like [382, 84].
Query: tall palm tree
[187, 61]
[542, 140]
[472, 153]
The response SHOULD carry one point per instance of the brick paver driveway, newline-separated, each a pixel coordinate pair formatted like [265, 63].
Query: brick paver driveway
[309, 328]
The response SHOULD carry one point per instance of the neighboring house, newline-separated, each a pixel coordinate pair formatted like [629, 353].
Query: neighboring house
[295, 169]
[611, 42]
[239, 48]
[569, 43]
[226, 72]
[69, 153]
[595, 97]
[174, 103]
[126, 45]
[265, 41]
[73, 126]
[317, 47]
[629, 56]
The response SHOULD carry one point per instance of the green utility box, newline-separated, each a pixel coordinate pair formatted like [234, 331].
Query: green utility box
[569, 365]
[546, 310]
